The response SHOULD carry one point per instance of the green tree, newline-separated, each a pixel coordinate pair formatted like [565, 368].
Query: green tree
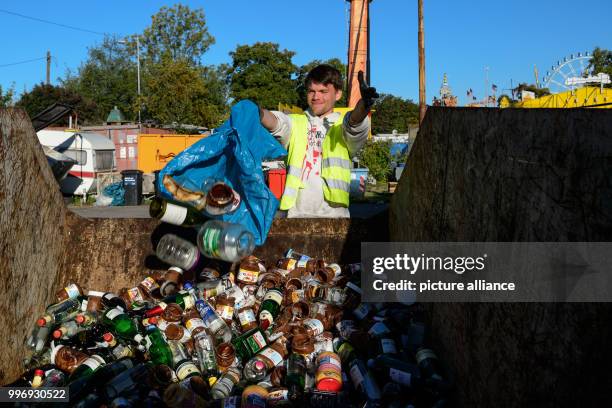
[262, 73]
[177, 93]
[539, 92]
[601, 61]
[376, 156]
[305, 69]
[42, 96]
[6, 98]
[177, 33]
[108, 77]
[392, 112]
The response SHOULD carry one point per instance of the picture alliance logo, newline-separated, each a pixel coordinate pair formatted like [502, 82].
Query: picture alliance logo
[413, 264]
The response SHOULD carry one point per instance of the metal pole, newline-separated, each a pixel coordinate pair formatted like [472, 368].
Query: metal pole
[422, 98]
[48, 67]
[138, 73]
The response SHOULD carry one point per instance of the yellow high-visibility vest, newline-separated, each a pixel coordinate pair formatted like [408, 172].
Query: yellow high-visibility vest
[335, 165]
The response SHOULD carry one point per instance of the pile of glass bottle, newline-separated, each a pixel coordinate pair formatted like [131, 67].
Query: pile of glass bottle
[249, 333]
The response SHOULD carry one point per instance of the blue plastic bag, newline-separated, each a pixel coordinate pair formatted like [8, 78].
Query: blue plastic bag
[233, 154]
[117, 192]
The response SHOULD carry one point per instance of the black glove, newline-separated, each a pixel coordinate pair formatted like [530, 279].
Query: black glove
[368, 93]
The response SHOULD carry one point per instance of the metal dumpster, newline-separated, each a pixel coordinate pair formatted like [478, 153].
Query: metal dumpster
[504, 355]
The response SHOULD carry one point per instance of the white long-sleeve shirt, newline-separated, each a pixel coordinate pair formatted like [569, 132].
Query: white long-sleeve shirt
[310, 201]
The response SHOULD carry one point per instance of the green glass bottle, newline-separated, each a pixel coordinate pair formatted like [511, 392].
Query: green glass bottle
[296, 375]
[120, 323]
[87, 367]
[250, 343]
[175, 213]
[270, 307]
[156, 345]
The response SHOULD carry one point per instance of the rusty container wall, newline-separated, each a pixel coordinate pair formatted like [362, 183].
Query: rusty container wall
[514, 175]
[32, 228]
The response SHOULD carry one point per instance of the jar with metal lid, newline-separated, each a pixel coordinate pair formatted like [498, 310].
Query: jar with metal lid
[193, 322]
[177, 332]
[286, 265]
[173, 313]
[328, 376]
[247, 319]
[224, 306]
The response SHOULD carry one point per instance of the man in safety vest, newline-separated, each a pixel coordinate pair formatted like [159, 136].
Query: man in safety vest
[321, 144]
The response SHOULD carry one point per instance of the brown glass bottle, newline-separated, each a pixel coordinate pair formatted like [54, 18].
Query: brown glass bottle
[226, 354]
[67, 358]
[71, 291]
[247, 319]
[249, 270]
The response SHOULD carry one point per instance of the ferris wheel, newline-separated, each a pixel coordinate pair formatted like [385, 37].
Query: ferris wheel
[562, 76]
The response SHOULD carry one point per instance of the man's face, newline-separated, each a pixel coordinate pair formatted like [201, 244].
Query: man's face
[322, 98]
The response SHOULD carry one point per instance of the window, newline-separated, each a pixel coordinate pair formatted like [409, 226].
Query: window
[105, 159]
[79, 155]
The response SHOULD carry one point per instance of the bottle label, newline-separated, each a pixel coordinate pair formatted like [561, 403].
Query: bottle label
[330, 358]
[188, 301]
[274, 356]
[72, 290]
[354, 287]
[388, 346]
[206, 311]
[315, 325]
[135, 295]
[194, 323]
[92, 363]
[162, 324]
[335, 295]
[149, 284]
[256, 342]
[278, 396]
[210, 242]
[244, 275]
[344, 350]
[297, 295]
[186, 369]
[113, 313]
[400, 377]
[274, 295]
[302, 263]
[362, 311]
[226, 312]
[356, 376]
[246, 317]
[174, 214]
[345, 328]
[378, 329]
[254, 400]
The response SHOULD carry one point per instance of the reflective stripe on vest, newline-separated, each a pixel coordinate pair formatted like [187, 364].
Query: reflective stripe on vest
[335, 165]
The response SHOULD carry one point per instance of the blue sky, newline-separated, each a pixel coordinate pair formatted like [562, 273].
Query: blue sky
[462, 37]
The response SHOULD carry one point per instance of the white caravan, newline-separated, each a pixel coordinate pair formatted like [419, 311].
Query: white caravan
[93, 152]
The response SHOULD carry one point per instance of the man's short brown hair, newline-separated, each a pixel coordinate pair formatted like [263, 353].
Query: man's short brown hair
[324, 74]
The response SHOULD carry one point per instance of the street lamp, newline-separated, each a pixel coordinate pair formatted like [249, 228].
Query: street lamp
[138, 69]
